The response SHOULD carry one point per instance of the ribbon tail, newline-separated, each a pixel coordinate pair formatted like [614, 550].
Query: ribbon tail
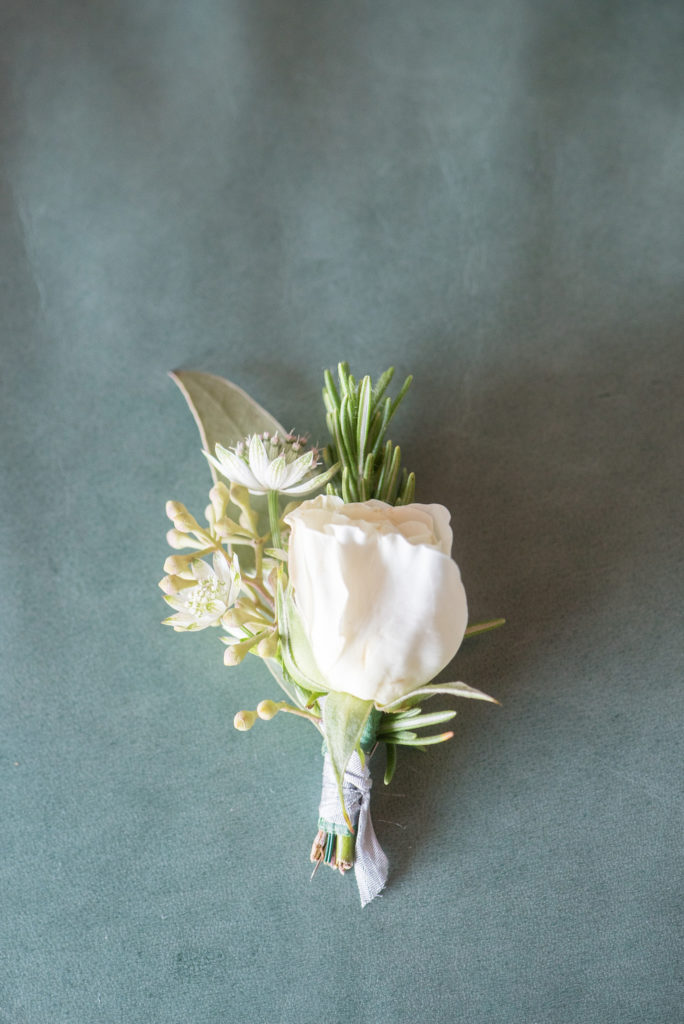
[371, 866]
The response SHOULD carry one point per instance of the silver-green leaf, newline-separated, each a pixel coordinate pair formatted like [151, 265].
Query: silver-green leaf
[224, 413]
[454, 689]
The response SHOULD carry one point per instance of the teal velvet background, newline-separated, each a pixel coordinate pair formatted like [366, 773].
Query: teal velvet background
[488, 195]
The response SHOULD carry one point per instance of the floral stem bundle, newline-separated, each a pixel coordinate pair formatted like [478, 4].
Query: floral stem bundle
[351, 598]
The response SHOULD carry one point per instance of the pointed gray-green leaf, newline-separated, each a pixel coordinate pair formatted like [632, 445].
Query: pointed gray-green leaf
[484, 627]
[454, 689]
[224, 413]
[344, 718]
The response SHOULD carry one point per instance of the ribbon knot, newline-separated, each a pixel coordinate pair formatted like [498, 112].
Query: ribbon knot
[370, 863]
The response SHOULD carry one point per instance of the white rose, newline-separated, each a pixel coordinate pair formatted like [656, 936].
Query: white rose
[380, 598]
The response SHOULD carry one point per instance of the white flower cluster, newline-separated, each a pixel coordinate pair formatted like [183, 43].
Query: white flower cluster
[209, 595]
[266, 462]
[221, 593]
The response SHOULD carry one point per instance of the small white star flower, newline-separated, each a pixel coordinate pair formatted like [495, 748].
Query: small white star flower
[265, 462]
[215, 591]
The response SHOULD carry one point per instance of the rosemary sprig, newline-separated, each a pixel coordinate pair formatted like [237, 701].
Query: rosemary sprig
[358, 414]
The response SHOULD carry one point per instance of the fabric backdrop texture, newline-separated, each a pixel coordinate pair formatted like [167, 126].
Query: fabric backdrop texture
[489, 196]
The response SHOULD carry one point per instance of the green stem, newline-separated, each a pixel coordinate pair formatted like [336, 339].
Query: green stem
[274, 518]
[290, 710]
[344, 853]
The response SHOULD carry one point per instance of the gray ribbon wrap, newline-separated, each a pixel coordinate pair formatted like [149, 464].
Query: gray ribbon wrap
[370, 863]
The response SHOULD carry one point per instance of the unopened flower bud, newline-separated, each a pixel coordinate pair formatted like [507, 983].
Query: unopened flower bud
[185, 522]
[268, 647]
[176, 539]
[235, 652]
[233, 655]
[219, 496]
[172, 584]
[244, 720]
[239, 495]
[267, 710]
[176, 564]
[235, 617]
[225, 527]
[174, 509]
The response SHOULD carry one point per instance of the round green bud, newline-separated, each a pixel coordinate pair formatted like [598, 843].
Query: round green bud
[267, 710]
[244, 720]
[233, 655]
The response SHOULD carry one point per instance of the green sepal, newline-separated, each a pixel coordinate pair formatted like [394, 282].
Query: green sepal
[344, 719]
[295, 650]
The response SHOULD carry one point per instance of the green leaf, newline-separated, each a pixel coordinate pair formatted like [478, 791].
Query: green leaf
[397, 737]
[391, 766]
[484, 627]
[344, 719]
[224, 413]
[381, 386]
[419, 742]
[363, 421]
[403, 716]
[417, 721]
[402, 394]
[454, 689]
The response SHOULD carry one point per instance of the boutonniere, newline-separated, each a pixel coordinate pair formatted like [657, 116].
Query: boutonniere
[322, 564]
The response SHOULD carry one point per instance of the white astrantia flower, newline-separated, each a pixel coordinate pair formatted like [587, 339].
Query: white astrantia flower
[205, 603]
[378, 593]
[268, 462]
